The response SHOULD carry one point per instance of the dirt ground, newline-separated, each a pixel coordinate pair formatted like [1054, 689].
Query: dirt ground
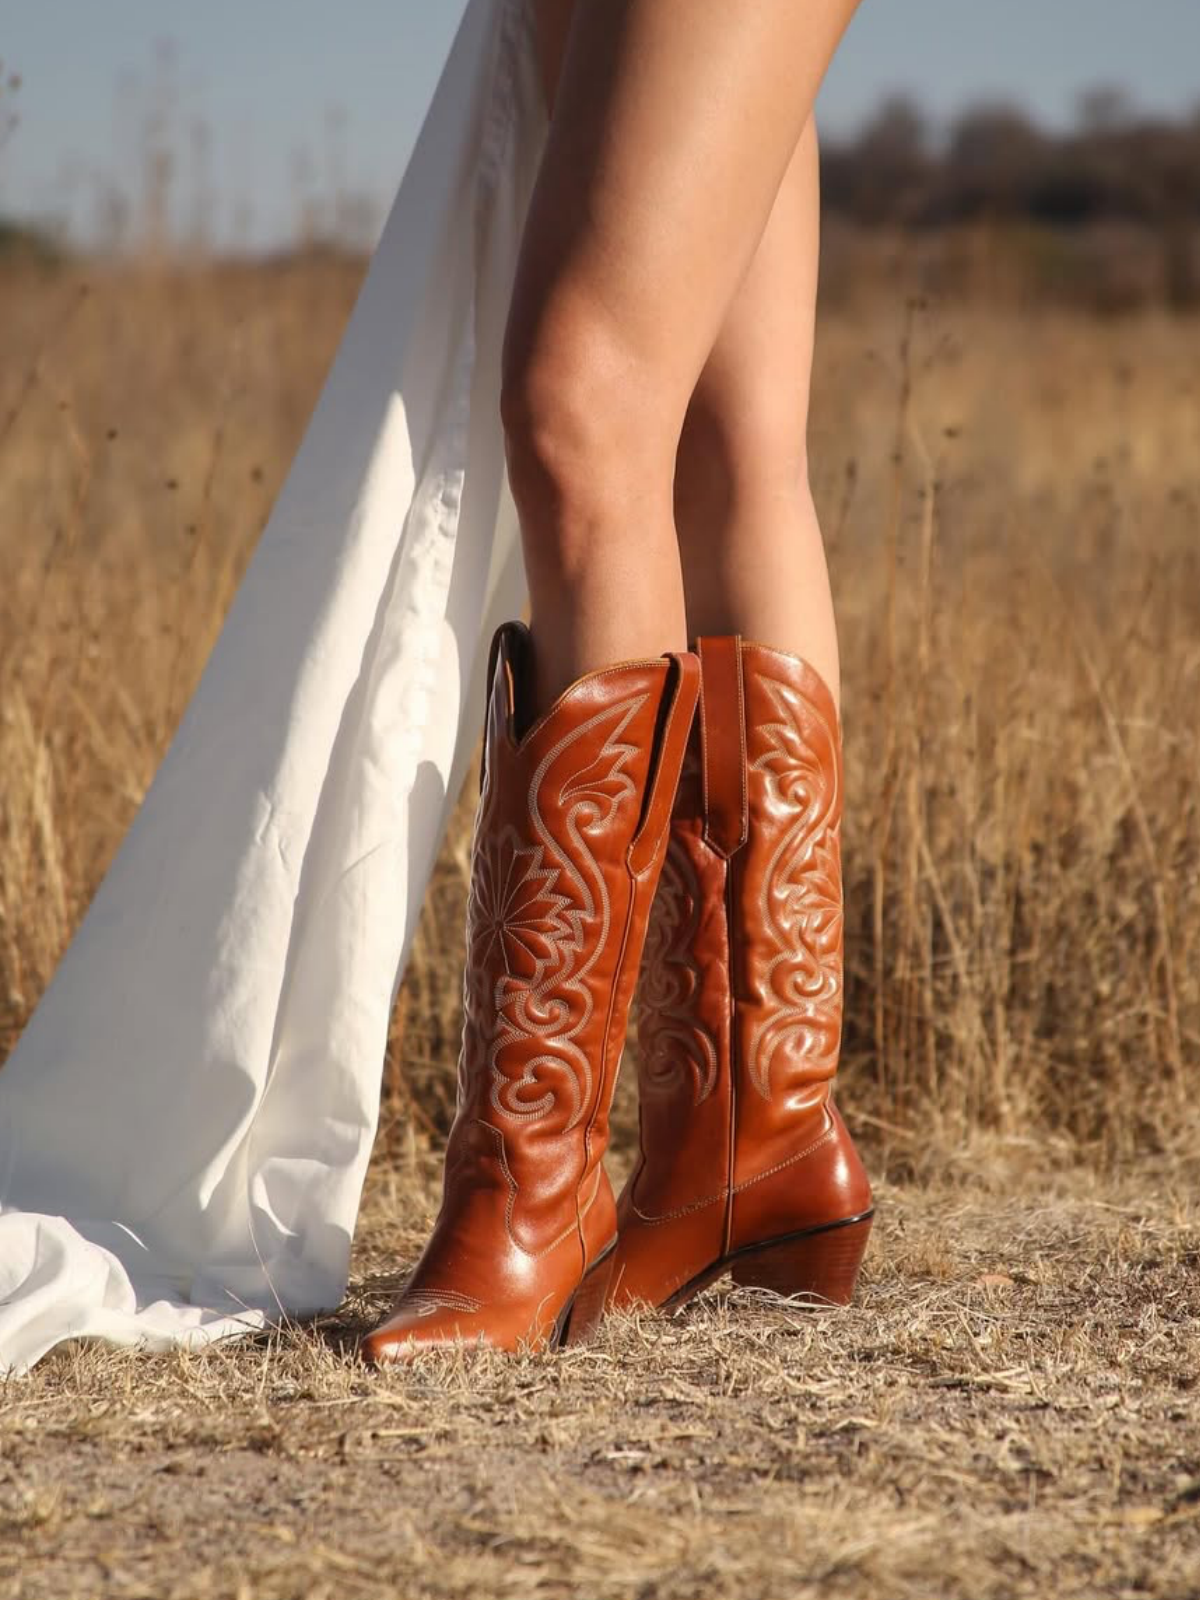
[1012, 1407]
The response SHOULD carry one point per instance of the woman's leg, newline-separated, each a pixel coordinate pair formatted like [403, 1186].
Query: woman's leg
[745, 1164]
[753, 560]
[673, 128]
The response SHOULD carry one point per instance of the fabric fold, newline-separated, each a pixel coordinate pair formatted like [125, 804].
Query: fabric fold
[186, 1122]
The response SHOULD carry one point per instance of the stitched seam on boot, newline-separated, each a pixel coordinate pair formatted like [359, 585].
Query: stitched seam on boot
[675, 951]
[573, 971]
[581, 1212]
[426, 1301]
[732, 956]
[791, 1161]
[588, 677]
[681, 1211]
[536, 1255]
[743, 745]
[785, 867]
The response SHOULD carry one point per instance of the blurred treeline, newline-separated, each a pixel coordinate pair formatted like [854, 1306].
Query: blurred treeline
[1104, 213]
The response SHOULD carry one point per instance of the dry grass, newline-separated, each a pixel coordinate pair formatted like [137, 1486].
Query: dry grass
[1012, 1406]
[1011, 505]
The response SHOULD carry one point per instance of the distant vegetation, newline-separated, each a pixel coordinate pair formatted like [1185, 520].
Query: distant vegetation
[1106, 211]
[1103, 214]
[28, 244]
[995, 161]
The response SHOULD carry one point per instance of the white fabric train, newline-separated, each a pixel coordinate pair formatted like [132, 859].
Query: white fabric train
[185, 1124]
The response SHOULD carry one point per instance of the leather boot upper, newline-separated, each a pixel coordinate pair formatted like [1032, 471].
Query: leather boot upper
[740, 997]
[569, 838]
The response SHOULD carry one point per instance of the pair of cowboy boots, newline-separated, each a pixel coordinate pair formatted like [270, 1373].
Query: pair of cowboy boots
[681, 814]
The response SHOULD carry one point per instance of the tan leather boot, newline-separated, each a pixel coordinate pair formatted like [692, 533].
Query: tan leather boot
[745, 1164]
[570, 834]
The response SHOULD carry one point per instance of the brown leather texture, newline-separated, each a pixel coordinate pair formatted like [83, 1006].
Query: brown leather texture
[570, 834]
[740, 994]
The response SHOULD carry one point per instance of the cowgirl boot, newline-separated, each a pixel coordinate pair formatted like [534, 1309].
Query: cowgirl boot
[746, 1166]
[570, 834]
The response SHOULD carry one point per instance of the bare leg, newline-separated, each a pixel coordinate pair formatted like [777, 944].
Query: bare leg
[753, 560]
[673, 129]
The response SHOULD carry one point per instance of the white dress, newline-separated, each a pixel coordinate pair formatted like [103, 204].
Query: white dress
[186, 1123]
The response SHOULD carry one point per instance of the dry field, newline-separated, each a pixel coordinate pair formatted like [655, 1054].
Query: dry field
[1012, 501]
[1010, 1409]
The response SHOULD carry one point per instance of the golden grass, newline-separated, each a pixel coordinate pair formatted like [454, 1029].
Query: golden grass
[1009, 1408]
[1020, 600]
[1011, 505]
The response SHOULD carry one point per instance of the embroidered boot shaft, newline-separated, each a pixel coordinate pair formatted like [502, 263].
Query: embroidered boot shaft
[570, 835]
[746, 1165]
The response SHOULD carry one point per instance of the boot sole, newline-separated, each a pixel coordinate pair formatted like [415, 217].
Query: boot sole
[820, 1263]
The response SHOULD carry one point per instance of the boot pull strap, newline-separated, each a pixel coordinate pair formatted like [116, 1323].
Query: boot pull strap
[723, 743]
[507, 660]
[683, 689]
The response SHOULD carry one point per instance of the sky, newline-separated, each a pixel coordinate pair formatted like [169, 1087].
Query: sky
[277, 101]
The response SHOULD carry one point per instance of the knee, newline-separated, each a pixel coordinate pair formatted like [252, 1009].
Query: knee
[580, 427]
